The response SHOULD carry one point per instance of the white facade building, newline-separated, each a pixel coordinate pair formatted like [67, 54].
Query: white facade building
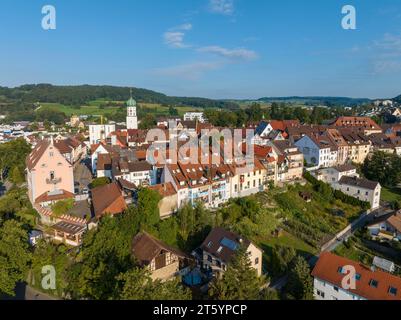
[99, 132]
[316, 152]
[192, 116]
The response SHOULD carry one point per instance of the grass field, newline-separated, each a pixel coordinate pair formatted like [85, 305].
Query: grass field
[391, 194]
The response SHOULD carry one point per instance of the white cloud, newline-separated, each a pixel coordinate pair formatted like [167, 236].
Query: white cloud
[387, 51]
[238, 53]
[175, 36]
[225, 7]
[190, 71]
[390, 44]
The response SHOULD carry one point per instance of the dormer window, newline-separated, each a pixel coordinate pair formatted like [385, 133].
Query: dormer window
[374, 283]
[392, 291]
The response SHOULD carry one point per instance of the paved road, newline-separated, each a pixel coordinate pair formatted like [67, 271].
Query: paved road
[24, 292]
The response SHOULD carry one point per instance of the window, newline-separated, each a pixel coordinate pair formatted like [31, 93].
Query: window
[358, 276]
[392, 291]
[254, 183]
[367, 193]
[340, 270]
[51, 154]
[51, 175]
[320, 293]
[209, 258]
[373, 283]
[220, 249]
[257, 261]
[335, 289]
[209, 245]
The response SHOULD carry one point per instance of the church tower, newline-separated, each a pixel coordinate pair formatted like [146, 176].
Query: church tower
[132, 119]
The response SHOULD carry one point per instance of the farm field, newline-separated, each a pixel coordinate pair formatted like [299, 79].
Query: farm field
[94, 108]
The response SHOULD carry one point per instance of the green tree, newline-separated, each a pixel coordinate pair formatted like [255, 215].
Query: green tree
[138, 285]
[300, 282]
[16, 175]
[99, 182]
[14, 256]
[383, 167]
[281, 259]
[148, 206]
[62, 207]
[239, 282]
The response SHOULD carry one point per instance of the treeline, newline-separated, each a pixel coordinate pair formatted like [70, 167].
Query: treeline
[283, 111]
[81, 95]
[325, 101]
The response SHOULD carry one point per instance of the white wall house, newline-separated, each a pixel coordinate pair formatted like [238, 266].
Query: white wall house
[317, 153]
[370, 283]
[334, 174]
[387, 229]
[99, 132]
[362, 189]
[192, 116]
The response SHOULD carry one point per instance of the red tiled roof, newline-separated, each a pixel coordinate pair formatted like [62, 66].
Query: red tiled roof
[48, 196]
[165, 189]
[327, 269]
[108, 199]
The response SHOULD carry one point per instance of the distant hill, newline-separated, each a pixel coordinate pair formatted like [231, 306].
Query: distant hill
[83, 94]
[327, 101]
[397, 99]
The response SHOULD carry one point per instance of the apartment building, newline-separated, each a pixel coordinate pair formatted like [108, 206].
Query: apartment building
[100, 132]
[363, 124]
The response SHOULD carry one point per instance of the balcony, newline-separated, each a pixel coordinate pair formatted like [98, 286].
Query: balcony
[53, 181]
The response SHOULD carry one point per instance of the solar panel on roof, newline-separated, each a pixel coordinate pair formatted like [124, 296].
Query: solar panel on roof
[229, 244]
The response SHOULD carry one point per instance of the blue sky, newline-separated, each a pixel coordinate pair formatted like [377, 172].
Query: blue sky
[208, 48]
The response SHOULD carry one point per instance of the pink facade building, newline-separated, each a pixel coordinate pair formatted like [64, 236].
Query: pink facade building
[48, 172]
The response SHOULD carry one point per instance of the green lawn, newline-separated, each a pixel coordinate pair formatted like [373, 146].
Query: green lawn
[391, 194]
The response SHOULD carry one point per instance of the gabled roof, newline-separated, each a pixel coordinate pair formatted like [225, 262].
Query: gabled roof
[108, 200]
[164, 189]
[395, 221]
[37, 153]
[359, 182]
[223, 244]
[328, 269]
[146, 247]
[345, 168]
[54, 196]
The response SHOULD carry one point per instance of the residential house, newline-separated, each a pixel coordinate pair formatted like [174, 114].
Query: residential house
[362, 189]
[387, 228]
[334, 174]
[219, 248]
[290, 161]
[370, 283]
[164, 262]
[108, 200]
[168, 204]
